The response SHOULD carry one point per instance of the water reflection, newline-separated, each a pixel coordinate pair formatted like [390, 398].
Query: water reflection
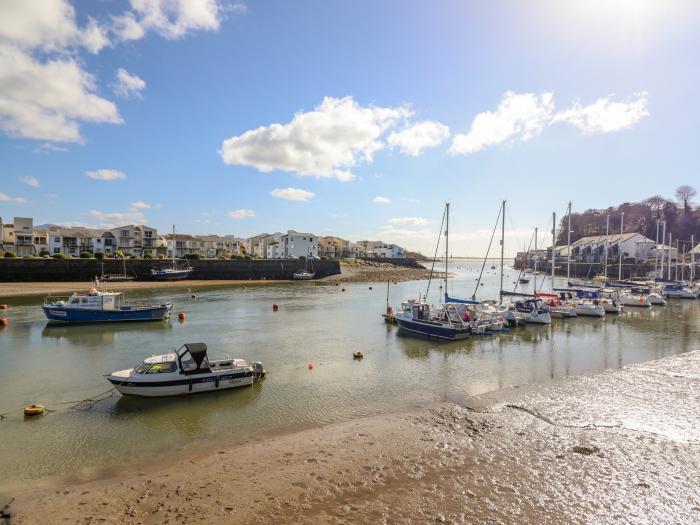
[96, 335]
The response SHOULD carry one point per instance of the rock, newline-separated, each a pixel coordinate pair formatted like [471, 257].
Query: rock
[586, 451]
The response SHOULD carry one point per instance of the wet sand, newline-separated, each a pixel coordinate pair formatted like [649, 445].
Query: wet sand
[361, 271]
[610, 447]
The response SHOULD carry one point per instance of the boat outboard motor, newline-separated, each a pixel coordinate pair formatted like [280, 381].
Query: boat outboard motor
[258, 369]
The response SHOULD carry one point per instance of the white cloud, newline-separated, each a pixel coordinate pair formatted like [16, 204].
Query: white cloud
[605, 114]
[381, 200]
[48, 25]
[392, 234]
[518, 117]
[139, 205]
[105, 174]
[4, 197]
[241, 214]
[404, 221]
[30, 181]
[45, 90]
[114, 219]
[292, 194]
[47, 147]
[413, 139]
[128, 85]
[158, 206]
[175, 18]
[326, 142]
[47, 100]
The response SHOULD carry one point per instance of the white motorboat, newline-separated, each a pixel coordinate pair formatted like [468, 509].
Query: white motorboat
[586, 308]
[656, 299]
[609, 299]
[187, 370]
[678, 291]
[558, 309]
[303, 276]
[628, 298]
[534, 311]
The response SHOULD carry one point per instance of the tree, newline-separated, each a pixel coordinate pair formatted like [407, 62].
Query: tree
[684, 195]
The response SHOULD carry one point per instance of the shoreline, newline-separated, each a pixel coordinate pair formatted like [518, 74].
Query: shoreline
[350, 273]
[600, 447]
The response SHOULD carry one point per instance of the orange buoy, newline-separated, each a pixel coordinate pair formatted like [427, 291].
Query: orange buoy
[275, 307]
[4, 307]
[310, 366]
[3, 321]
[33, 410]
[182, 316]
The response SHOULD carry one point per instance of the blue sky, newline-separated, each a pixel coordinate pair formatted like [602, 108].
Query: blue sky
[416, 102]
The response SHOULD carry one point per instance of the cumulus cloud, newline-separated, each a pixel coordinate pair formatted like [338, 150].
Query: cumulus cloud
[47, 100]
[381, 200]
[605, 114]
[325, 142]
[106, 174]
[128, 85]
[413, 139]
[30, 181]
[292, 194]
[4, 197]
[413, 221]
[241, 214]
[520, 117]
[114, 219]
[45, 90]
[139, 205]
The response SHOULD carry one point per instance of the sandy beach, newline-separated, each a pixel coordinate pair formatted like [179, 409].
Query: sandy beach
[609, 447]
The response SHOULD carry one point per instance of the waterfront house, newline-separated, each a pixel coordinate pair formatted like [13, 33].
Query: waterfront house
[333, 247]
[18, 236]
[297, 244]
[380, 249]
[592, 248]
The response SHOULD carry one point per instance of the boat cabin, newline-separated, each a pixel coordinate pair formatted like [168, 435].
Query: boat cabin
[93, 300]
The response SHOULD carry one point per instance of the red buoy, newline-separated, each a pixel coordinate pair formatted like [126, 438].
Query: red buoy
[310, 366]
[3, 321]
[275, 307]
[4, 307]
[182, 316]
[342, 289]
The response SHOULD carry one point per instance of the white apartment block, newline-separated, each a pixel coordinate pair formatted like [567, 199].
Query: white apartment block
[297, 244]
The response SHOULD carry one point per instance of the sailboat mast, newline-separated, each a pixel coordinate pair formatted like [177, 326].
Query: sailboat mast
[656, 251]
[568, 247]
[447, 246]
[663, 252]
[670, 258]
[607, 240]
[503, 234]
[174, 246]
[535, 264]
[554, 242]
[692, 257]
[622, 229]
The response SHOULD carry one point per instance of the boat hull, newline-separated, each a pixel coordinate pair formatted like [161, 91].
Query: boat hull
[125, 314]
[177, 275]
[433, 330]
[183, 385]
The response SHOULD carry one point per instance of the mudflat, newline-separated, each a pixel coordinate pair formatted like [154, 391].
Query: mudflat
[616, 446]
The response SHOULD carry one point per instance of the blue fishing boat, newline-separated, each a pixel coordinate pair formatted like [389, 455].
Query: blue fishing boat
[101, 307]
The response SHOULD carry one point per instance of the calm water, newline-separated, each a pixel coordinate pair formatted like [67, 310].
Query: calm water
[316, 323]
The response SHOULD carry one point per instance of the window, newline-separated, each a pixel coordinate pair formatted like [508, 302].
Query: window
[56, 239]
[99, 241]
[188, 363]
[162, 368]
[56, 250]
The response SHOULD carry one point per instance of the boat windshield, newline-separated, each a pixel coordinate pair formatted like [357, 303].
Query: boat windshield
[156, 368]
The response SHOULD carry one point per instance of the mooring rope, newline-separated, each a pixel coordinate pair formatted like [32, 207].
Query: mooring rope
[79, 404]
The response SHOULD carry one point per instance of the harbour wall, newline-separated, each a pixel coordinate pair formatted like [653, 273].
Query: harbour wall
[58, 270]
[630, 268]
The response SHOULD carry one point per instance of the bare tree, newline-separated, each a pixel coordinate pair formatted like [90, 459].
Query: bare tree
[656, 205]
[684, 195]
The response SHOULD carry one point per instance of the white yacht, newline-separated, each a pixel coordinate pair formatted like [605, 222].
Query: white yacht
[586, 308]
[185, 371]
[628, 298]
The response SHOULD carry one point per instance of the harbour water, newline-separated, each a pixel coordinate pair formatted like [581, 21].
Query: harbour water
[316, 323]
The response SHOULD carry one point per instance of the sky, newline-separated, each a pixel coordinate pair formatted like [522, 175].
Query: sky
[358, 119]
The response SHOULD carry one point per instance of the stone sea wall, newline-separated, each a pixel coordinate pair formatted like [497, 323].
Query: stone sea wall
[47, 270]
